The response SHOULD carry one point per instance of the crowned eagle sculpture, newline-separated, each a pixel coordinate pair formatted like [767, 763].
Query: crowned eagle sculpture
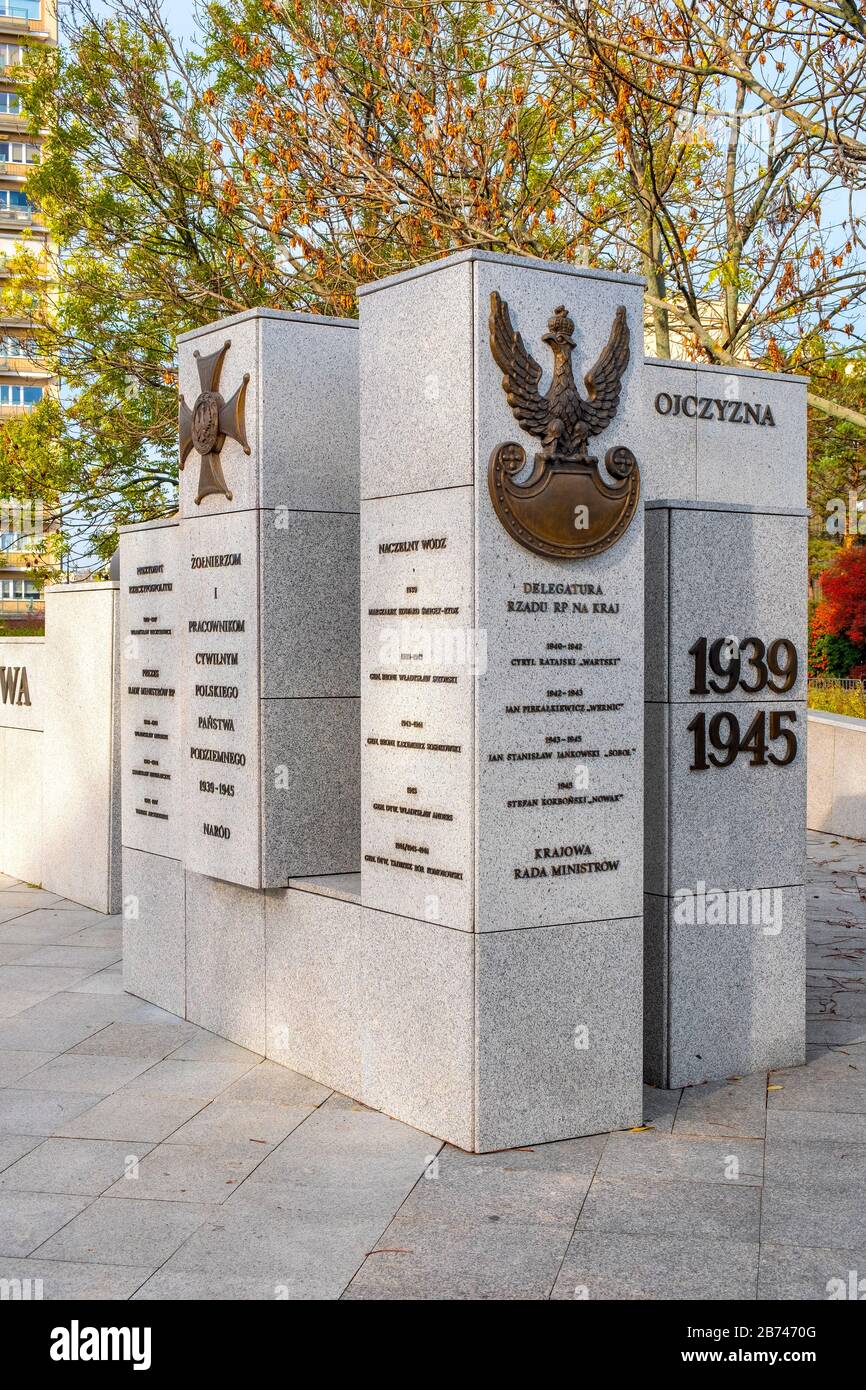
[565, 508]
[561, 418]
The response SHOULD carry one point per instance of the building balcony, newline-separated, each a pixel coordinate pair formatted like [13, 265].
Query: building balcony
[9, 170]
[18, 19]
[20, 365]
[19, 217]
[12, 412]
[13, 124]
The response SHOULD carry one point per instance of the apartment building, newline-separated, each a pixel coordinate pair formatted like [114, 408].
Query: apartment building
[23, 379]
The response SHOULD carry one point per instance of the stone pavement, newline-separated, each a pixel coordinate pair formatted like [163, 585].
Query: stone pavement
[141, 1157]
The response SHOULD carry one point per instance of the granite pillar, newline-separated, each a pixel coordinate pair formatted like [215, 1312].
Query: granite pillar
[725, 790]
[501, 726]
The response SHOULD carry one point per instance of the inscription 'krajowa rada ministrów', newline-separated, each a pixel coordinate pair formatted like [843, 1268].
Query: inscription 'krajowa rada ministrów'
[442, 585]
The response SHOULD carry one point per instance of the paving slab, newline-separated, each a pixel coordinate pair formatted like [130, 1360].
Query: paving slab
[695, 1210]
[253, 1128]
[725, 1108]
[809, 1273]
[116, 1232]
[186, 1173]
[96, 1076]
[813, 1215]
[660, 1108]
[601, 1265]
[40, 1112]
[61, 1280]
[14, 1146]
[693, 1159]
[212, 1286]
[188, 1078]
[155, 1040]
[29, 1218]
[134, 1118]
[78, 1167]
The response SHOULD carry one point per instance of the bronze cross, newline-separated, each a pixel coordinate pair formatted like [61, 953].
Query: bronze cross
[211, 422]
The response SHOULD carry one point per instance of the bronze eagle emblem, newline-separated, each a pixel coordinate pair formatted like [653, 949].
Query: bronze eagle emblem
[566, 508]
[561, 418]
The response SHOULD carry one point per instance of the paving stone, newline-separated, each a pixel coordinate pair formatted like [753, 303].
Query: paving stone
[96, 1076]
[809, 1214]
[232, 1125]
[642, 1206]
[207, 1047]
[31, 898]
[805, 1125]
[29, 1218]
[824, 1162]
[45, 978]
[608, 1266]
[817, 1092]
[61, 1280]
[40, 1112]
[737, 1107]
[79, 1167]
[116, 1232]
[800, 1272]
[271, 1083]
[186, 1173]
[660, 1108]
[654, 1155]
[106, 982]
[10, 951]
[134, 1118]
[136, 1040]
[14, 1146]
[96, 936]
[14, 1002]
[44, 926]
[182, 1078]
[90, 958]
[14, 1065]
[212, 1286]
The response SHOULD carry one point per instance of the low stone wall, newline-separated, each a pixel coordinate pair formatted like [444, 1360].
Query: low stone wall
[837, 775]
[59, 749]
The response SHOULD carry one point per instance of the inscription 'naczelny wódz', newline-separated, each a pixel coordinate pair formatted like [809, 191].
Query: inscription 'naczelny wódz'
[712, 408]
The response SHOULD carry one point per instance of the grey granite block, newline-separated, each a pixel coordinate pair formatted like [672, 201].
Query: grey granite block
[826, 1163]
[714, 813]
[736, 574]
[150, 686]
[736, 1001]
[739, 461]
[154, 929]
[310, 794]
[601, 1265]
[668, 437]
[416, 402]
[418, 658]
[559, 1030]
[309, 603]
[656, 602]
[315, 986]
[80, 746]
[657, 810]
[225, 945]
[655, 990]
[21, 763]
[417, 1039]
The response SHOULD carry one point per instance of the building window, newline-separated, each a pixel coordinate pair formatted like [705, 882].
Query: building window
[17, 152]
[20, 395]
[11, 55]
[21, 9]
[19, 588]
[18, 347]
[13, 198]
[10, 102]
